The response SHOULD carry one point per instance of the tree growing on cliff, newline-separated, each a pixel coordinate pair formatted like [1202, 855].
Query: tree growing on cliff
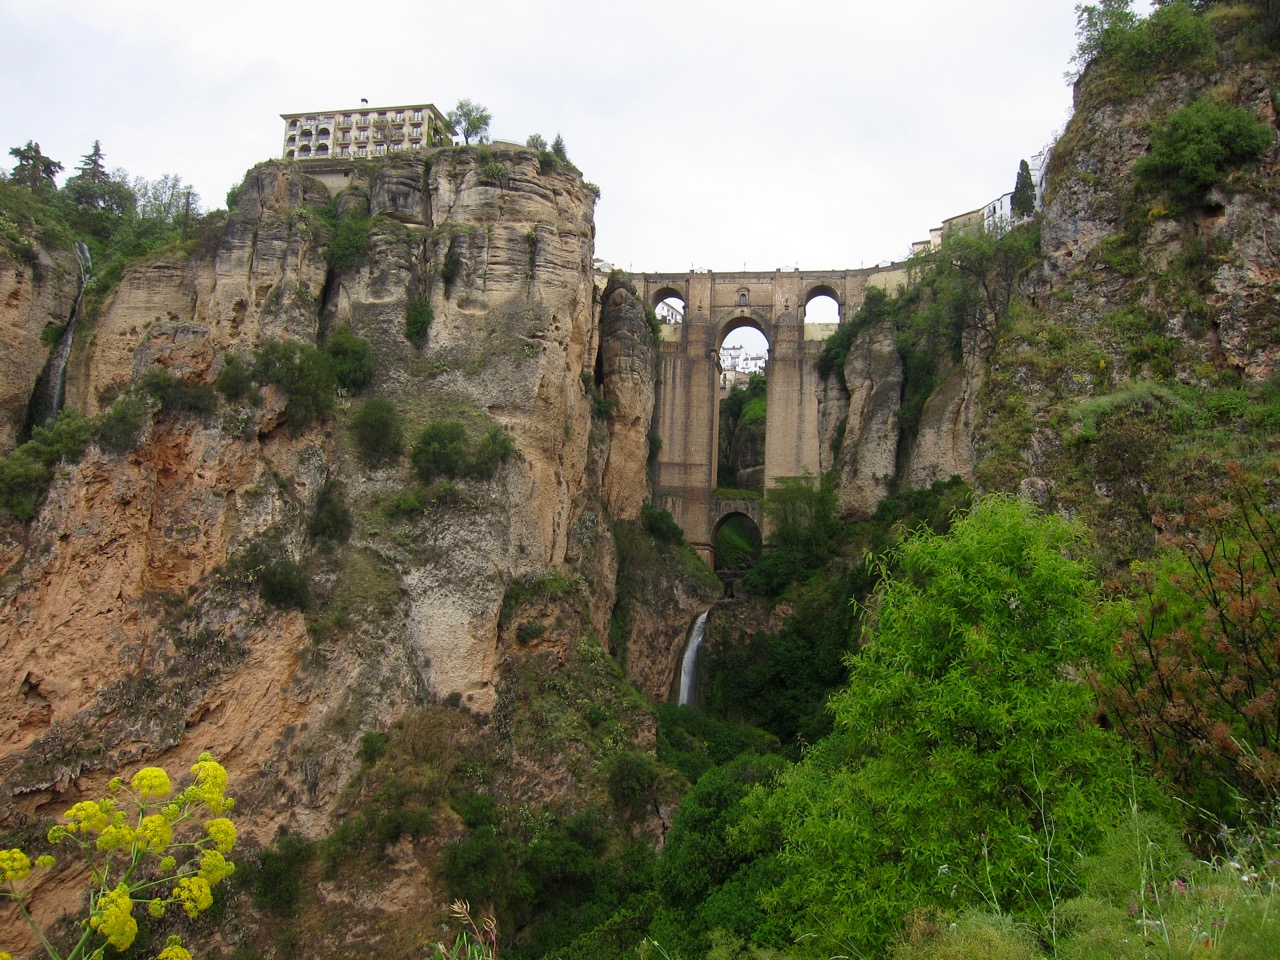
[34, 169]
[966, 767]
[471, 120]
[1023, 202]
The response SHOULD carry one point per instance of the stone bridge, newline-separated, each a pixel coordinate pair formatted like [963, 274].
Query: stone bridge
[687, 408]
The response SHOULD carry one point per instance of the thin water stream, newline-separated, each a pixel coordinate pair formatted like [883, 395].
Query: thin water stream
[689, 666]
[58, 372]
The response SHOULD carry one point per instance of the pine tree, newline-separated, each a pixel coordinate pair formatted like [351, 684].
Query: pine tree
[557, 147]
[34, 169]
[91, 167]
[1024, 192]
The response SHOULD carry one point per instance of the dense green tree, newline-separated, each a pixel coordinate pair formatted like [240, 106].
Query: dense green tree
[470, 120]
[558, 148]
[34, 169]
[1196, 146]
[537, 141]
[966, 766]
[1023, 201]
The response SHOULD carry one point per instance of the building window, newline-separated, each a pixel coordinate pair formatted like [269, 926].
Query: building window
[293, 124]
[742, 299]
[361, 151]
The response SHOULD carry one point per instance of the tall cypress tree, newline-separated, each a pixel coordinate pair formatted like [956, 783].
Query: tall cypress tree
[1024, 192]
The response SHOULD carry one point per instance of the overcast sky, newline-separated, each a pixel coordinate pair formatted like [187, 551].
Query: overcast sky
[721, 134]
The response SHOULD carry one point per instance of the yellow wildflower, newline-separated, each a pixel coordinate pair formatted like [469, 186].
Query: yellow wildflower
[115, 836]
[14, 865]
[174, 950]
[45, 861]
[5, 956]
[90, 816]
[114, 784]
[167, 864]
[151, 782]
[155, 833]
[114, 918]
[223, 832]
[211, 783]
[156, 907]
[194, 895]
[214, 866]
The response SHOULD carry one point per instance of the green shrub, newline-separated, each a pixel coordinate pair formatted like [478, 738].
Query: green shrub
[440, 450]
[661, 525]
[281, 582]
[26, 473]
[378, 433]
[443, 449]
[1196, 146]
[417, 322]
[176, 396]
[494, 449]
[476, 809]
[235, 381]
[331, 519]
[304, 373]
[277, 884]
[531, 631]
[118, 427]
[350, 244]
[631, 780]
[373, 746]
[351, 358]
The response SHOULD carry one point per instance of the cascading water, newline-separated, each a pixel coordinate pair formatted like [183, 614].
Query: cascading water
[58, 371]
[689, 666]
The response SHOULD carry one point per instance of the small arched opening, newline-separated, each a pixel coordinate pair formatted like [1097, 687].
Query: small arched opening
[669, 305]
[305, 152]
[736, 543]
[322, 150]
[821, 305]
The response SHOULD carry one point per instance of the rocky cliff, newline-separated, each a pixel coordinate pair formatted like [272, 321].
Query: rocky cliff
[130, 625]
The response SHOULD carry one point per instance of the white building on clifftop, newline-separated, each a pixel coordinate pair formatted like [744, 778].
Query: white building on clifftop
[366, 131]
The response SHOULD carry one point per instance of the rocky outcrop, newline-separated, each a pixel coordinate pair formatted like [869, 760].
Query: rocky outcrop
[944, 442]
[37, 292]
[627, 361]
[1095, 222]
[868, 458]
[124, 618]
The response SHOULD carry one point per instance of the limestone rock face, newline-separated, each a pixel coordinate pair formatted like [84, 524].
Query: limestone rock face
[34, 294]
[833, 408]
[869, 454]
[943, 446]
[627, 355]
[128, 623]
[1092, 187]
[260, 278]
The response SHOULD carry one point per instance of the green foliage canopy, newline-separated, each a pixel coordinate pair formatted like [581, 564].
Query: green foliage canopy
[1193, 149]
[965, 765]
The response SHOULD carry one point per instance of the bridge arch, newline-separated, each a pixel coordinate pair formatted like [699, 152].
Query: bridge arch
[670, 305]
[737, 539]
[827, 297]
[744, 317]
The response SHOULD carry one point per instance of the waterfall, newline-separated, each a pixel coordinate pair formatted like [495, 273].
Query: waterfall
[58, 372]
[689, 666]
